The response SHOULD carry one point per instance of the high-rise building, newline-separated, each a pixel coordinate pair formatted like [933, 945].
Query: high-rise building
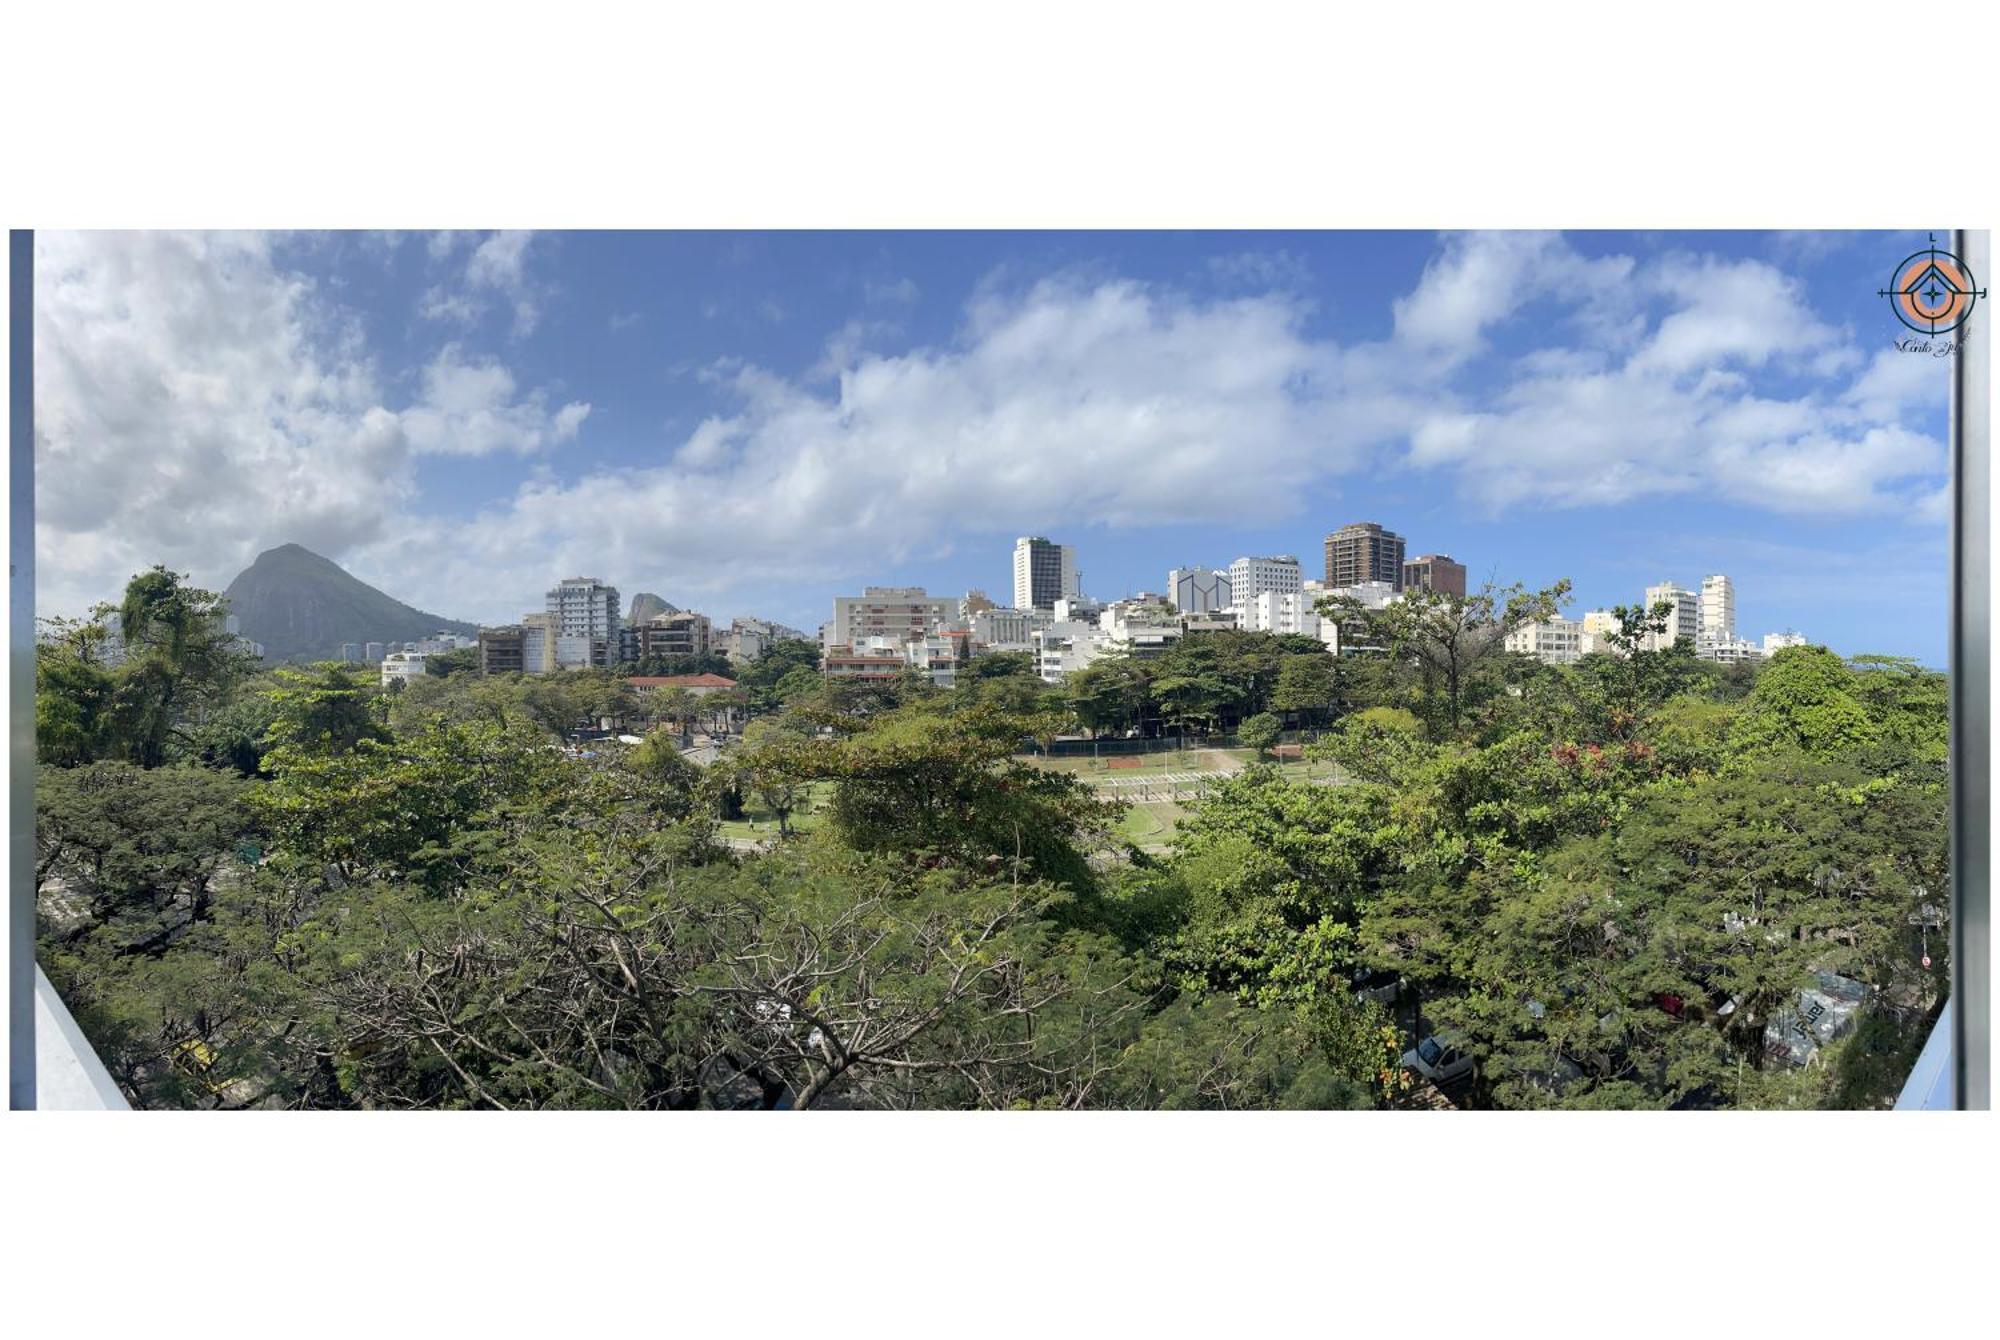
[1364, 552]
[1434, 572]
[1044, 572]
[350, 652]
[1198, 590]
[373, 651]
[1252, 577]
[1683, 619]
[584, 611]
[1717, 616]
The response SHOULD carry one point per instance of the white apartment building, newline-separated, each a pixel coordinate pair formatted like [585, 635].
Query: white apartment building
[1044, 572]
[1198, 590]
[747, 638]
[1078, 607]
[587, 609]
[400, 667]
[1252, 577]
[1733, 651]
[1596, 628]
[1554, 641]
[895, 612]
[1372, 595]
[1683, 621]
[1777, 642]
[1066, 646]
[1007, 629]
[1209, 621]
[1281, 612]
[1716, 617]
[886, 658]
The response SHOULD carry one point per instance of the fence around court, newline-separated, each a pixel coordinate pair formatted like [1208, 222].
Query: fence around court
[1112, 747]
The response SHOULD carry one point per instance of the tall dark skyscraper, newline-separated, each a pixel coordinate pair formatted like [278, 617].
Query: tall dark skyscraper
[1044, 572]
[1364, 552]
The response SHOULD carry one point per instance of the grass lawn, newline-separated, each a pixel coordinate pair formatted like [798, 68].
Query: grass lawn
[759, 822]
[1151, 824]
[1133, 767]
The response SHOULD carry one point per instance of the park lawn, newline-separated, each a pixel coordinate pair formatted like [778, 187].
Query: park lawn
[759, 822]
[1151, 824]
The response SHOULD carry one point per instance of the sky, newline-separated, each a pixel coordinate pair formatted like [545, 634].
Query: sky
[752, 423]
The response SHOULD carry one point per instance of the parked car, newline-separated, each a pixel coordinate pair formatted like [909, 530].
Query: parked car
[1438, 1059]
[1379, 985]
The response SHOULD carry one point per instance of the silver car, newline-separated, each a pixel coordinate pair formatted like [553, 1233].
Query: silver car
[1438, 1060]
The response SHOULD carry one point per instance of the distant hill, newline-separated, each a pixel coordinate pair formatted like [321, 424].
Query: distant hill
[646, 605]
[303, 607]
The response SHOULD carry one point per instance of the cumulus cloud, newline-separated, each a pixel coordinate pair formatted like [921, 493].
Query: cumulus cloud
[1677, 411]
[469, 407]
[497, 270]
[196, 401]
[1058, 402]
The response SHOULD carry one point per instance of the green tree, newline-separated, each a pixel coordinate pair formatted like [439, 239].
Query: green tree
[1307, 687]
[1445, 639]
[1260, 732]
[328, 707]
[73, 693]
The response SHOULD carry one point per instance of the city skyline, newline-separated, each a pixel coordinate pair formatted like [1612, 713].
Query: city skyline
[752, 424]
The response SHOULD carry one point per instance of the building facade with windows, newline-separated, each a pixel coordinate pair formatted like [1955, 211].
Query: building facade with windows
[1683, 618]
[1252, 577]
[682, 633]
[1555, 641]
[1716, 611]
[500, 650]
[584, 607]
[1044, 572]
[896, 612]
[1434, 572]
[1364, 552]
[400, 667]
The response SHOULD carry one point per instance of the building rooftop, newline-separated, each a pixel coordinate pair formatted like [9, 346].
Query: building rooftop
[701, 681]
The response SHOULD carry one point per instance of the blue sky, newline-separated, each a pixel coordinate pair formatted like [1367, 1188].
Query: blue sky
[751, 423]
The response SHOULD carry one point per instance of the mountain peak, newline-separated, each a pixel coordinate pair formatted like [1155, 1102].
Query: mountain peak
[303, 606]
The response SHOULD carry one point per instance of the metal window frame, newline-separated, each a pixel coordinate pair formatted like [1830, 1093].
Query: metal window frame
[1971, 671]
[21, 655]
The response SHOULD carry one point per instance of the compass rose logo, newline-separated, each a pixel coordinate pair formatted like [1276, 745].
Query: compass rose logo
[1933, 291]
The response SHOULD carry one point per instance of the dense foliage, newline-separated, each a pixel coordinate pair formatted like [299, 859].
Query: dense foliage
[1605, 882]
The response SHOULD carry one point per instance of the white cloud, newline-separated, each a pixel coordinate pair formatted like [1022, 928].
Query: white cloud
[1680, 412]
[469, 408]
[196, 402]
[236, 409]
[497, 269]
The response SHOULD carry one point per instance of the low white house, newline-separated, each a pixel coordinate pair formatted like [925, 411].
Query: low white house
[401, 667]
